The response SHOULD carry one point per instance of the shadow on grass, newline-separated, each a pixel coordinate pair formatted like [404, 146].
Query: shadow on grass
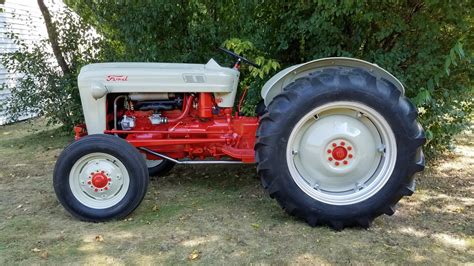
[221, 215]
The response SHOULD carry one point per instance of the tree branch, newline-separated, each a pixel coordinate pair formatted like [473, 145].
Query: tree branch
[53, 38]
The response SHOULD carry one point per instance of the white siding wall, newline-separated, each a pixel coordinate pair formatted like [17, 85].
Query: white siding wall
[24, 18]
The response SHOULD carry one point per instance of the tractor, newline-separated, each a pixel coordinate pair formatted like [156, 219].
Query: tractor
[335, 140]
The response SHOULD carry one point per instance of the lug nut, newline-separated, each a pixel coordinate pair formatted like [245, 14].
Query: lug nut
[330, 158]
[336, 163]
[349, 148]
[350, 155]
[345, 162]
[343, 143]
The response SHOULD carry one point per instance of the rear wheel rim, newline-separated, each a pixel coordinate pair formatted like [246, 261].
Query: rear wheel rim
[99, 180]
[341, 153]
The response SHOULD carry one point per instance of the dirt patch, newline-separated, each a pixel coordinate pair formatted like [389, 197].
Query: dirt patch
[220, 214]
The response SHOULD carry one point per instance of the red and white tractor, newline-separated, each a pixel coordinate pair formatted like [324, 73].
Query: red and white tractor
[335, 140]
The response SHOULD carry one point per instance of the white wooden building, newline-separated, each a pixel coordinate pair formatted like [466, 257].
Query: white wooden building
[18, 16]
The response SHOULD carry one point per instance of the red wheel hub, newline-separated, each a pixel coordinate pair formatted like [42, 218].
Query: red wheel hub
[339, 153]
[100, 180]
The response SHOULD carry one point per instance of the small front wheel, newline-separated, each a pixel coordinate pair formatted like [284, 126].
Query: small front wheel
[100, 177]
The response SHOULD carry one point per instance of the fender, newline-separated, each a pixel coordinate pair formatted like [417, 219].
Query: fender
[275, 85]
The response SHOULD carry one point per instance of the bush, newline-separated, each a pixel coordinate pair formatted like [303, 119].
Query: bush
[43, 87]
[428, 45]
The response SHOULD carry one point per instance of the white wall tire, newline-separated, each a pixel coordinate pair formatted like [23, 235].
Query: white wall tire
[302, 163]
[100, 177]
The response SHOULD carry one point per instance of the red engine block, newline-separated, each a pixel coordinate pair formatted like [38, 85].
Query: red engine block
[194, 132]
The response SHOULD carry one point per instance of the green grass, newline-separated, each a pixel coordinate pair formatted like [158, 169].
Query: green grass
[222, 214]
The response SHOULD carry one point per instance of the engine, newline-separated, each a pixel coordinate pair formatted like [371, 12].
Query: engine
[148, 106]
[181, 125]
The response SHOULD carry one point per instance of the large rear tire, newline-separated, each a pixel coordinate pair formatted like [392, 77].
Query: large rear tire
[339, 147]
[100, 177]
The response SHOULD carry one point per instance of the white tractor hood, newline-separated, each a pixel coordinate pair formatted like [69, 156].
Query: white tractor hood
[97, 80]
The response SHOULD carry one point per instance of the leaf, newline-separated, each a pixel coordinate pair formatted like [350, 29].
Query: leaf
[195, 255]
[459, 50]
[44, 255]
[99, 238]
[453, 57]
[447, 63]
[255, 225]
[429, 134]
[430, 85]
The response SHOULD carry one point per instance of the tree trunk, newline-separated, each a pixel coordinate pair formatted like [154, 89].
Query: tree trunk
[53, 38]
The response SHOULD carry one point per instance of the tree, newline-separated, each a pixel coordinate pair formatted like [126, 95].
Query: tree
[428, 45]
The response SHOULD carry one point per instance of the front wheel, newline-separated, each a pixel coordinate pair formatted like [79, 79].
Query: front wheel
[339, 147]
[100, 177]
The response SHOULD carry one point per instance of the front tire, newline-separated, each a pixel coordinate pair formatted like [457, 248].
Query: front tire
[339, 147]
[100, 177]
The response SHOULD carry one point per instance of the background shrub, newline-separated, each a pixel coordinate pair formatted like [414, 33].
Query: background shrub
[428, 45]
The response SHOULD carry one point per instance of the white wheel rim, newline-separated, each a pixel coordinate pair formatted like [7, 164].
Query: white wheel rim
[341, 153]
[99, 180]
[153, 163]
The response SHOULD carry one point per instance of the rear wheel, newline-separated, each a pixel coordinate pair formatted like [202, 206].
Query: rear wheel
[100, 177]
[339, 147]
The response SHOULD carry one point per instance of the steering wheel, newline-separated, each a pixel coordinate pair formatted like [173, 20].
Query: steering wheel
[239, 58]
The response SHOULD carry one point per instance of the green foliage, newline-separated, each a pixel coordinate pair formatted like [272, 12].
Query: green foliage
[43, 88]
[428, 45]
[255, 77]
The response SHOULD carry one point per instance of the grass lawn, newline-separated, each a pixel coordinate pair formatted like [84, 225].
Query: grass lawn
[220, 214]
